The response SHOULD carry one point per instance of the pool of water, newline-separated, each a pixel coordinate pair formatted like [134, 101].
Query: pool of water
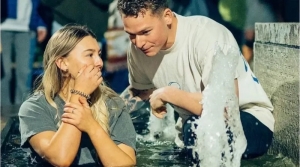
[149, 154]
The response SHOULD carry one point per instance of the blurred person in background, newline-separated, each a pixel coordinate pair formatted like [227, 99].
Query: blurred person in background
[229, 13]
[20, 30]
[3, 10]
[233, 16]
[189, 7]
[213, 10]
[92, 13]
[266, 11]
[2, 73]
[257, 11]
[3, 17]
[117, 42]
[287, 10]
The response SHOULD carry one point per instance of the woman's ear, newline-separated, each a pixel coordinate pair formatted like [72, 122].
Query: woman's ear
[61, 64]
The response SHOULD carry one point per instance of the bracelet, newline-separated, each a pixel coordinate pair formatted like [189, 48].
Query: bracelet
[73, 91]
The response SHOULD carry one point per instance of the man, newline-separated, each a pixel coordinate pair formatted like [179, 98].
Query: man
[170, 59]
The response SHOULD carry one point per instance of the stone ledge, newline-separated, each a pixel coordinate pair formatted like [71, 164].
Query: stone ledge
[278, 33]
[276, 65]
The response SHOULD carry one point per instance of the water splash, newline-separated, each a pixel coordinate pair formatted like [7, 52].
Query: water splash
[161, 129]
[216, 127]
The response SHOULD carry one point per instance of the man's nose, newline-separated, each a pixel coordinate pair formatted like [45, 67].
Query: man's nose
[139, 41]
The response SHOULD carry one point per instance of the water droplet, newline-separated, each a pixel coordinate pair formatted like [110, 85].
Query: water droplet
[256, 123]
[171, 157]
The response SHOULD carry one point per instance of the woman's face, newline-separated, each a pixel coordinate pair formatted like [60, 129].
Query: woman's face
[86, 52]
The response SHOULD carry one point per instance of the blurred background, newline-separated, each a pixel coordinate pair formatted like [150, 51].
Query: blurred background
[27, 25]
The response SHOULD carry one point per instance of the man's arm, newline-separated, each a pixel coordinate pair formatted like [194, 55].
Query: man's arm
[134, 99]
[186, 100]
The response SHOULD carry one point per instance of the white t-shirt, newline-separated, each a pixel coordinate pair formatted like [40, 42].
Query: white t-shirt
[189, 61]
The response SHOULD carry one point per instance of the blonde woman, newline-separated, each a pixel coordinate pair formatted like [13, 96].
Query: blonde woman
[73, 118]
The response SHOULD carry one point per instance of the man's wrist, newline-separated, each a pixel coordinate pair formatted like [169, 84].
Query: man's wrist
[168, 93]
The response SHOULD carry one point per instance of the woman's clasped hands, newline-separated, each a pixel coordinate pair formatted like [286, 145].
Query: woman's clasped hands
[80, 114]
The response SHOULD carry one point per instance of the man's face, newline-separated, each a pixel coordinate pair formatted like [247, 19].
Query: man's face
[148, 32]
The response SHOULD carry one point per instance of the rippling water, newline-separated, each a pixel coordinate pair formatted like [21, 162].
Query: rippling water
[149, 154]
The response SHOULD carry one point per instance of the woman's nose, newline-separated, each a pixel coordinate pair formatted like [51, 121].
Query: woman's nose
[98, 62]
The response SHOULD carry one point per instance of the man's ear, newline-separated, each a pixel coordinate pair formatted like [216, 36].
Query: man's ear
[168, 16]
[61, 64]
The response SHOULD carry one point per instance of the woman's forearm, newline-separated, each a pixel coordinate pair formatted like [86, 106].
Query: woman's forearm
[109, 153]
[64, 145]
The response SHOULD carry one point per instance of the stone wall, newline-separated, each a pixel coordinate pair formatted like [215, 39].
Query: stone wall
[276, 65]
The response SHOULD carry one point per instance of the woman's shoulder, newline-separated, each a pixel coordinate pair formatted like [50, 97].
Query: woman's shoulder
[30, 104]
[35, 98]
[35, 101]
[115, 103]
[116, 107]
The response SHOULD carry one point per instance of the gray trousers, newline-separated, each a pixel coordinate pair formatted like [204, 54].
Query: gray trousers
[19, 43]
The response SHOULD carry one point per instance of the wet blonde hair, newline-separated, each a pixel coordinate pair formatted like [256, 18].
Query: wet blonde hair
[59, 46]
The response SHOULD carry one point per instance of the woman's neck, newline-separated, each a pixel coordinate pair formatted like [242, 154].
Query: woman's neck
[64, 93]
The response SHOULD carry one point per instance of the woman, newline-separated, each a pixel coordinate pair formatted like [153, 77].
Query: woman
[73, 118]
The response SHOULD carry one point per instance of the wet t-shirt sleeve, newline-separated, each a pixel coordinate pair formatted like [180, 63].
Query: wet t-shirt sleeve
[34, 118]
[121, 126]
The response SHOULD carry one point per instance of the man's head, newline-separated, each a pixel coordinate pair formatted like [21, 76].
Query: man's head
[135, 7]
[148, 23]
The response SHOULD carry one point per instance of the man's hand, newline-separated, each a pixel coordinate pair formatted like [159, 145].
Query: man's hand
[159, 112]
[134, 99]
[158, 103]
